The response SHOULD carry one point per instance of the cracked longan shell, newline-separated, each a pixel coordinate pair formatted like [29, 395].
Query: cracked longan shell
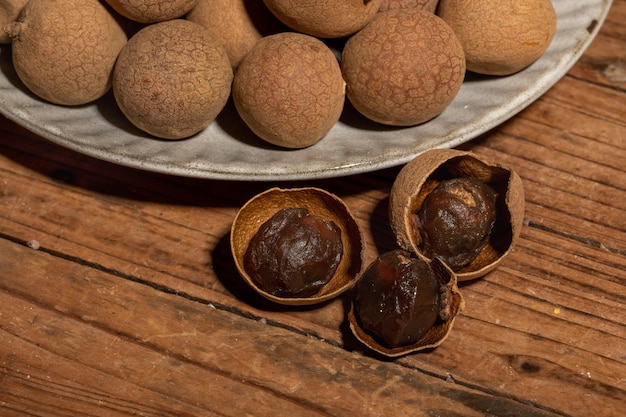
[152, 11]
[64, 51]
[421, 175]
[404, 68]
[503, 37]
[326, 205]
[325, 18]
[172, 79]
[434, 337]
[289, 90]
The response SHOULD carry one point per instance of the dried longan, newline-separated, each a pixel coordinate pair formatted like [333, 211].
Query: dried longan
[64, 51]
[289, 90]
[172, 79]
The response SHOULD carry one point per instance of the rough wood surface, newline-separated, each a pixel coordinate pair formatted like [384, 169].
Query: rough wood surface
[132, 305]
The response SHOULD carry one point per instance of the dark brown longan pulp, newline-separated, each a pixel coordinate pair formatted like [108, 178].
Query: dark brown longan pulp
[397, 299]
[294, 253]
[456, 220]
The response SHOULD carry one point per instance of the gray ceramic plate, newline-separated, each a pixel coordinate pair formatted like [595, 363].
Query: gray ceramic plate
[227, 150]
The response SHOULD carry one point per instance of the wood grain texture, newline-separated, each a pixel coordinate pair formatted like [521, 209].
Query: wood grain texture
[132, 305]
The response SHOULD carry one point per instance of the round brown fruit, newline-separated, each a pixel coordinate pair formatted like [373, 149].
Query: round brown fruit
[64, 51]
[428, 5]
[404, 68]
[152, 11]
[500, 37]
[325, 18]
[288, 89]
[237, 24]
[172, 79]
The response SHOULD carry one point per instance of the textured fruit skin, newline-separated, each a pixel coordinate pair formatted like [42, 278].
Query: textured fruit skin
[64, 50]
[404, 68]
[152, 11]
[172, 79]
[9, 10]
[428, 5]
[500, 37]
[289, 90]
[325, 18]
[237, 24]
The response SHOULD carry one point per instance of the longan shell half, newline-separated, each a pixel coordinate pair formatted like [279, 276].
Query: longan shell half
[421, 175]
[172, 79]
[319, 202]
[404, 68]
[434, 337]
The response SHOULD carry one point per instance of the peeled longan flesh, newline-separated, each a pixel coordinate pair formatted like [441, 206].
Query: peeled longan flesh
[152, 11]
[9, 10]
[404, 68]
[64, 51]
[288, 89]
[325, 18]
[398, 298]
[294, 253]
[172, 79]
[500, 37]
[237, 24]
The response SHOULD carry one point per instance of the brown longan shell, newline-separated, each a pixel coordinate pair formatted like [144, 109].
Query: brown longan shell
[319, 202]
[503, 37]
[152, 11]
[404, 68]
[64, 51]
[172, 79]
[237, 24]
[422, 174]
[325, 18]
[289, 90]
[428, 5]
[9, 11]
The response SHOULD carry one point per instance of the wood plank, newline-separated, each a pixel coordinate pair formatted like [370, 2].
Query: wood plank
[114, 344]
[462, 334]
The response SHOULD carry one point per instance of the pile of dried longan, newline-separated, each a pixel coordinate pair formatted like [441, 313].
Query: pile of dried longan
[173, 64]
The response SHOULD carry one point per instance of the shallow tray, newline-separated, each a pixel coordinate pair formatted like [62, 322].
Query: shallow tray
[228, 150]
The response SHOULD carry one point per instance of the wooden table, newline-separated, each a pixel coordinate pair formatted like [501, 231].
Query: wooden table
[118, 294]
